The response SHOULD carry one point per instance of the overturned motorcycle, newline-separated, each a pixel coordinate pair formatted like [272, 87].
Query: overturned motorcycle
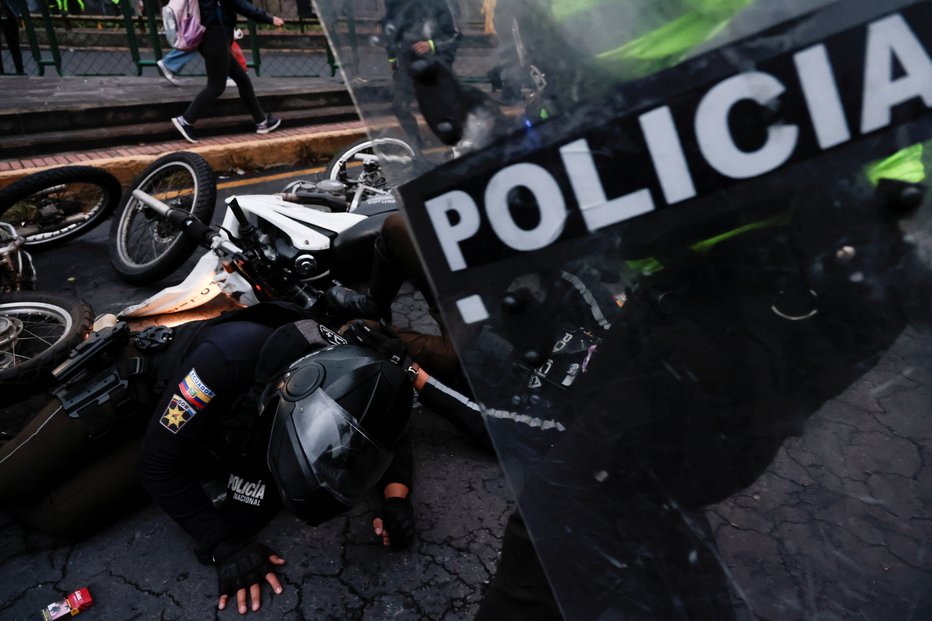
[37, 328]
[286, 244]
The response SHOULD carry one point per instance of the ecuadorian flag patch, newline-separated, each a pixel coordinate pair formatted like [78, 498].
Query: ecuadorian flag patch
[177, 414]
[195, 391]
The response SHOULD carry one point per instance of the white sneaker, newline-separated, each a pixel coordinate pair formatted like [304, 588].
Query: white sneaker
[231, 83]
[168, 75]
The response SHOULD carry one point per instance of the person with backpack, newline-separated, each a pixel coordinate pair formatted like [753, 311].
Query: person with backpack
[172, 63]
[219, 21]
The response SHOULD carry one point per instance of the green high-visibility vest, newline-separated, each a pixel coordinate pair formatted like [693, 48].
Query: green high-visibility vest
[686, 24]
[904, 165]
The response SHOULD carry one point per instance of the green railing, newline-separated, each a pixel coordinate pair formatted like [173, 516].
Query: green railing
[105, 38]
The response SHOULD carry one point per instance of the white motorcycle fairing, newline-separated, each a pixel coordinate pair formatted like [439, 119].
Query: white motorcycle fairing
[301, 223]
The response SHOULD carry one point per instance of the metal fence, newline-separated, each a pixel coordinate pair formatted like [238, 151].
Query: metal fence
[124, 37]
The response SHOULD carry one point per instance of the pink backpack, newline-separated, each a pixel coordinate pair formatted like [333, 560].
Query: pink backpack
[182, 20]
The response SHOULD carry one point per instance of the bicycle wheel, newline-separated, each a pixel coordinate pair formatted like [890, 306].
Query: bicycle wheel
[347, 168]
[143, 246]
[52, 206]
[37, 331]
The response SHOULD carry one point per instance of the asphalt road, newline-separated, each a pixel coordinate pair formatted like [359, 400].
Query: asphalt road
[144, 567]
[839, 526]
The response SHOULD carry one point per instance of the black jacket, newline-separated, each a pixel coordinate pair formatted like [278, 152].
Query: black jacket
[218, 434]
[409, 21]
[222, 13]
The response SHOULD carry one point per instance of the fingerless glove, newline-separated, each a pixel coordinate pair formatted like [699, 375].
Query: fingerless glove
[398, 521]
[240, 565]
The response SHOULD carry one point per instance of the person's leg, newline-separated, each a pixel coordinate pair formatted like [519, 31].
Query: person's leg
[42, 451]
[215, 48]
[244, 84]
[13, 42]
[88, 499]
[10, 25]
[388, 274]
[402, 100]
[397, 247]
[5, 23]
[176, 60]
[519, 589]
[57, 474]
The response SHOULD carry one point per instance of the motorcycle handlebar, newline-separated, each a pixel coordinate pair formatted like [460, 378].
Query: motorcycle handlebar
[188, 224]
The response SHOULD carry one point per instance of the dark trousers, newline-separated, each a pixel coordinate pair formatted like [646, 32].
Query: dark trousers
[9, 24]
[403, 100]
[70, 476]
[519, 591]
[395, 261]
[220, 64]
[56, 479]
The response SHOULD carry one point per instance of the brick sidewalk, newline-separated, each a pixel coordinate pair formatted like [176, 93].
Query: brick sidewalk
[286, 146]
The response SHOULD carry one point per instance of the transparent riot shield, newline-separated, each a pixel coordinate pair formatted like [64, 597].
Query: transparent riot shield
[687, 265]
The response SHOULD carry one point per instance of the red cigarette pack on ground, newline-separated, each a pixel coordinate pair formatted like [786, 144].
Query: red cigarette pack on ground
[71, 605]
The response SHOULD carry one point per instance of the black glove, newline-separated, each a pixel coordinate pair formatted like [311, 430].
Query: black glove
[398, 522]
[383, 341]
[240, 565]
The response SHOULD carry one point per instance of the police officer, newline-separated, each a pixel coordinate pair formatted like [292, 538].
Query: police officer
[706, 415]
[70, 475]
[417, 29]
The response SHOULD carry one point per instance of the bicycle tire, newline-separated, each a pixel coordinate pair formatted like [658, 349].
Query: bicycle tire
[143, 247]
[37, 331]
[46, 200]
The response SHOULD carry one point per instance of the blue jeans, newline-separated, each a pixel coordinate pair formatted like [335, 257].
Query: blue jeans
[175, 60]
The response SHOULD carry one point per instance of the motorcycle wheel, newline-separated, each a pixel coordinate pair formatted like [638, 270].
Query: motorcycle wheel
[346, 168]
[52, 206]
[37, 331]
[143, 246]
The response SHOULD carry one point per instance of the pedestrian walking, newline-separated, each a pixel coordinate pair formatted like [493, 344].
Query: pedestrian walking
[173, 62]
[219, 19]
[9, 25]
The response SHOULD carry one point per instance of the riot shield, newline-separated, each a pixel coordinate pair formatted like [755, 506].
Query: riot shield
[688, 274]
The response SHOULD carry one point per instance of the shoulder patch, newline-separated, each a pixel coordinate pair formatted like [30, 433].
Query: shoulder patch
[195, 391]
[330, 336]
[177, 414]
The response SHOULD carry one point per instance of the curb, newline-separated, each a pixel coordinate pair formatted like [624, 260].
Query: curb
[255, 154]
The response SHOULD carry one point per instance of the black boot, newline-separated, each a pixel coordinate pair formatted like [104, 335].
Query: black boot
[352, 304]
[386, 279]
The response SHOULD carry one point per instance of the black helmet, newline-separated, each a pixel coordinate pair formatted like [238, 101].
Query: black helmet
[338, 413]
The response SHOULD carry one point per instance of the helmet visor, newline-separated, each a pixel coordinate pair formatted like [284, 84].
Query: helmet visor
[337, 452]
